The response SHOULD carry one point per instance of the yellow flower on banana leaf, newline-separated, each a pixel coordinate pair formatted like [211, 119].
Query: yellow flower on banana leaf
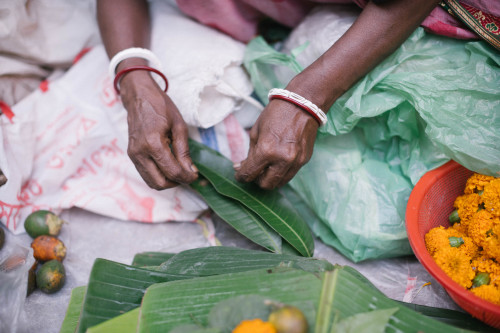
[476, 183]
[438, 238]
[491, 197]
[254, 326]
[488, 292]
[479, 225]
[467, 205]
[456, 265]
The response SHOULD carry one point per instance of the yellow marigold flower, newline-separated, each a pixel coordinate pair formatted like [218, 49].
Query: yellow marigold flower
[469, 248]
[460, 227]
[438, 238]
[476, 183]
[491, 246]
[467, 206]
[485, 264]
[254, 326]
[456, 265]
[479, 225]
[491, 197]
[488, 292]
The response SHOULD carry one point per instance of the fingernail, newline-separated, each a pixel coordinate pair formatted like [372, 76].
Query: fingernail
[194, 168]
[237, 166]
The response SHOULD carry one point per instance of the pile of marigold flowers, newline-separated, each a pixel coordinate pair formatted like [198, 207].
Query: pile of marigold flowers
[469, 250]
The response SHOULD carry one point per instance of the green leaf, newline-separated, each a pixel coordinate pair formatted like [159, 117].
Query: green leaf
[456, 241]
[151, 258]
[114, 289]
[351, 295]
[269, 205]
[125, 323]
[481, 279]
[70, 321]
[244, 220]
[228, 313]
[454, 218]
[167, 305]
[366, 322]
[191, 328]
[221, 259]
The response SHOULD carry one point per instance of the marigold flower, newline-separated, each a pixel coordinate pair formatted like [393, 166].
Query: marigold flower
[254, 326]
[491, 197]
[469, 248]
[476, 183]
[485, 264]
[479, 225]
[438, 238]
[467, 205]
[488, 292]
[491, 245]
[460, 227]
[456, 265]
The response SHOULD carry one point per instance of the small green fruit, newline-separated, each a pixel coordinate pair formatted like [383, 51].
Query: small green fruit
[43, 222]
[51, 277]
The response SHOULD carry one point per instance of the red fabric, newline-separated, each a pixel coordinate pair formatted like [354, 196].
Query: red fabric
[239, 18]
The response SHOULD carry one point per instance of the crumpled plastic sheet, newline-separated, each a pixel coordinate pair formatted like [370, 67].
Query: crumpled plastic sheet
[88, 236]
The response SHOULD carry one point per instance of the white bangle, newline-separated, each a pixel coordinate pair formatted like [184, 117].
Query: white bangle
[300, 101]
[133, 52]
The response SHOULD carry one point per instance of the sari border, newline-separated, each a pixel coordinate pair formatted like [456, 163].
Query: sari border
[457, 10]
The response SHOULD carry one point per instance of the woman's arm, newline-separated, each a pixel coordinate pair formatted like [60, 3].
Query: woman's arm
[158, 135]
[282, 139]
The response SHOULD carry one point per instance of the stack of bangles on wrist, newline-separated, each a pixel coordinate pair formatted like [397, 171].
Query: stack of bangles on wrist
[300, 101]
[136, 52]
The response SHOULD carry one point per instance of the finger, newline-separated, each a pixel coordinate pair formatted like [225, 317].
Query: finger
[252, 167]
[273, 176]
[289, 175]
[169, 166]
[180, 148]
[149, 171]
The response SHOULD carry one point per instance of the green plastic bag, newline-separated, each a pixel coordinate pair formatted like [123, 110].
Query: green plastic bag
[434, 99]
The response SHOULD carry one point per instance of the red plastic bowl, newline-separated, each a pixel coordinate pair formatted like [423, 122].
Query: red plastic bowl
[429, 205]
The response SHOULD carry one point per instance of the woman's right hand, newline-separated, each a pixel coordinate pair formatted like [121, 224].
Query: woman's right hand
[158, 136]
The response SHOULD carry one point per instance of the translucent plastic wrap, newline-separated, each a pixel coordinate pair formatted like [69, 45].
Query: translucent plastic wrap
[432, 100]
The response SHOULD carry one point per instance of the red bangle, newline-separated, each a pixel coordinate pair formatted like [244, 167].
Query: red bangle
[302, 106]
[121, 73]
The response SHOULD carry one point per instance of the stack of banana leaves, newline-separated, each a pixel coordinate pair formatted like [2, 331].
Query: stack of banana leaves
[213, 289]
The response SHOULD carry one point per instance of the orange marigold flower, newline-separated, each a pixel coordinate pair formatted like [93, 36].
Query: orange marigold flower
[479, 225]
[491, 246]
[476, 183]
[254, 326]
[488, 292]
[491, 197]
[456, 265]
[460, 227]
[438, 238]
[469, 248]
[467, 206]
[485, 264]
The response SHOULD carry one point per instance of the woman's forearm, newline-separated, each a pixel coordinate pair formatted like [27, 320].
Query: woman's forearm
[124, 24]
[378, 31]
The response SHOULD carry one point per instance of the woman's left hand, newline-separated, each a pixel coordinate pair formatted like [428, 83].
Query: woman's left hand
[281, 142]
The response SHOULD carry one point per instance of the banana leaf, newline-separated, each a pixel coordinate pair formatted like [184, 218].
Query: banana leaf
[221, 259]
[72, 316]
[125, 323]
[327, 299]
[171, 304]
[115, 288]
[144, 259]
[244, 220]
[271, 206]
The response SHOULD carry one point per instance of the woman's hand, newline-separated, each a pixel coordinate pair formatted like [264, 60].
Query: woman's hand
[281, 142]
[158, 136]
